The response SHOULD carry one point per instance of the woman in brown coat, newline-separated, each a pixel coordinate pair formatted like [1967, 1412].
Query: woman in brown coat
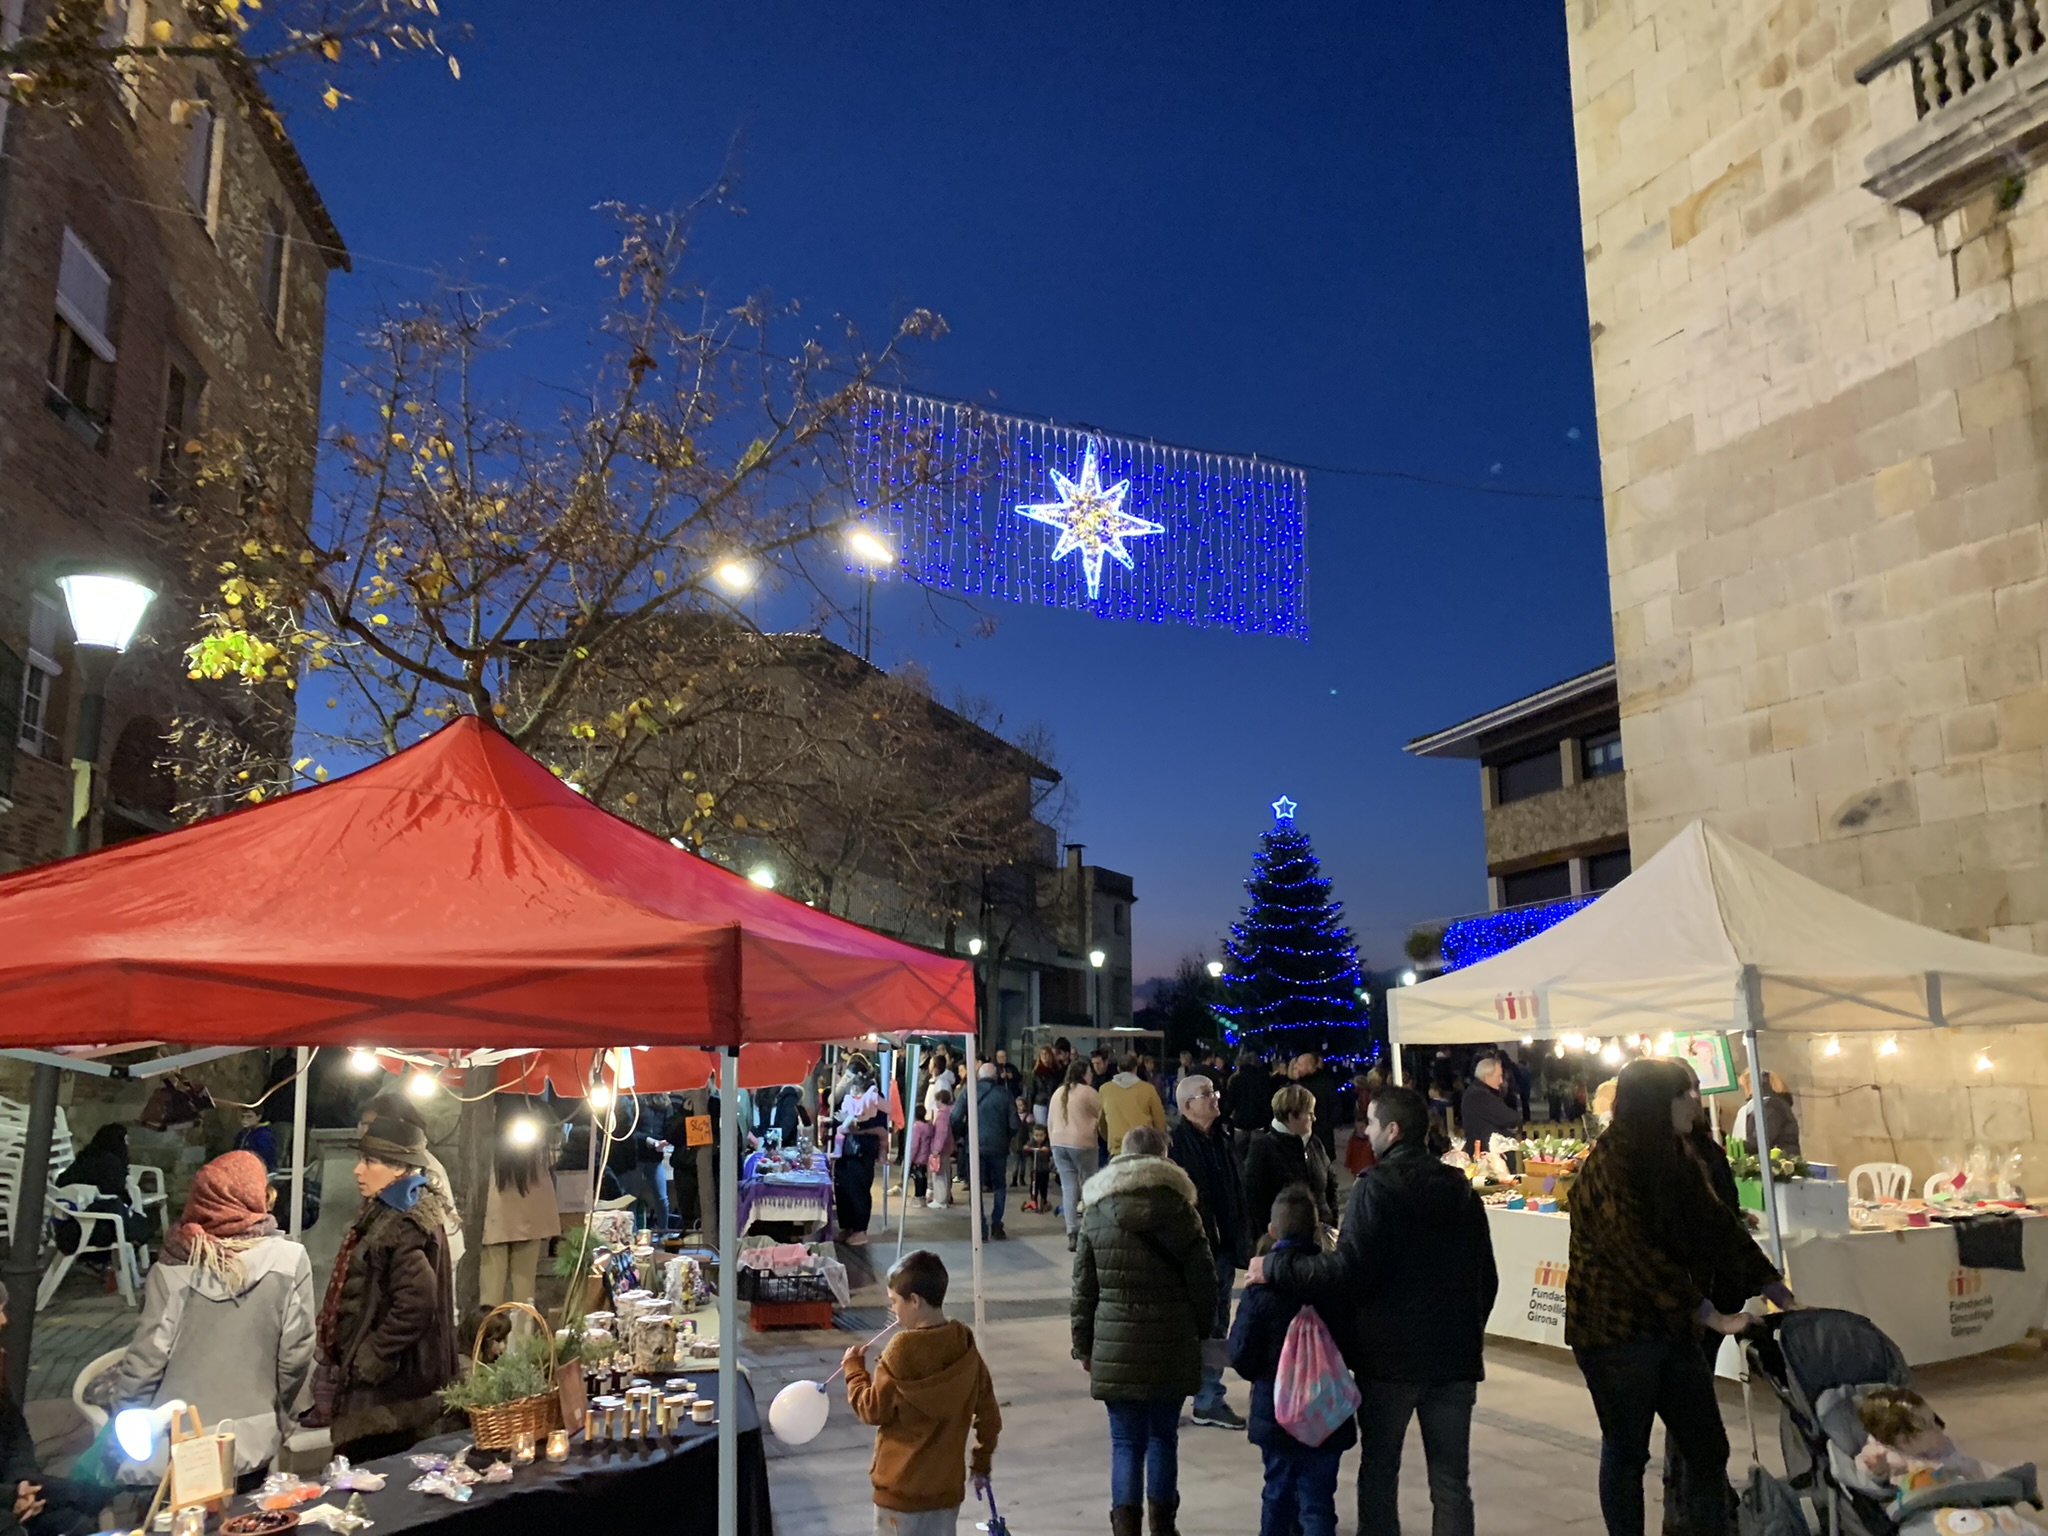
[387, 1327]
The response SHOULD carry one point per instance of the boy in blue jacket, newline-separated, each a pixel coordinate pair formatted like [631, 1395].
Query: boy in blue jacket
[1301, 1480]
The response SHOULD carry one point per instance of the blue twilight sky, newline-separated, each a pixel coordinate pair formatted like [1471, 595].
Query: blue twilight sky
[1335, 233]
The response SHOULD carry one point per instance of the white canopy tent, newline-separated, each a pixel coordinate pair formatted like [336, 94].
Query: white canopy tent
[1712, 935]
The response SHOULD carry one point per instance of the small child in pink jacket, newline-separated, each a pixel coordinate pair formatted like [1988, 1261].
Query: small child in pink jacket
[920, 1151]
[939, 1153]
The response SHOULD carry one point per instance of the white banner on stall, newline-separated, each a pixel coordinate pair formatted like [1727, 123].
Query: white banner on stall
[1910, 1284]
[1530, 1252]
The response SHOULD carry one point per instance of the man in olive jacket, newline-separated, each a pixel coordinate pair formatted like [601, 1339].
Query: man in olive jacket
[1144, 1299]
[1414, 1266]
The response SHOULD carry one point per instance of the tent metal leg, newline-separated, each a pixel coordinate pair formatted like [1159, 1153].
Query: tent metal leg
[298, 1190]
[1394, 1061]
[888, 1164]
[971, 1087]
[728, 1294]
[910, 1113]
[1762, 1149]
[25, 1251]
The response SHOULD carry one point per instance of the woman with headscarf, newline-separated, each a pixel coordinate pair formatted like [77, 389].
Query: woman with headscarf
[103, 1163]
[1647, 1233]
[227, 1319]
[387, 1326]
[863, 1122]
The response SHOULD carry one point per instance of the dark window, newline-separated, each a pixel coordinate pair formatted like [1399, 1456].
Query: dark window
[1536, 774]
[171, 458]
[81, 374]
[273, 264]
[1604, 871]
[1601, 754]
[1120, 918]
[1544, 884]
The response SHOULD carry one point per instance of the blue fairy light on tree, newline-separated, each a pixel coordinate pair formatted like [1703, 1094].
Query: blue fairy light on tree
[1293, 977]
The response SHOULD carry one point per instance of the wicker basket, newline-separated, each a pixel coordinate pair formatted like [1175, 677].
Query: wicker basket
[497, 1426]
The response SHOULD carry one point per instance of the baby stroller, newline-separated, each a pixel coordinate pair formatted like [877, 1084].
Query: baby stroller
[1819, 1361]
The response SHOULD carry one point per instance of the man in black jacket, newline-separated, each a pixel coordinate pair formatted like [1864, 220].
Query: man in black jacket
[1415, 1267]
[1249, 1098]
[1201, 1146]
[1484, 1112]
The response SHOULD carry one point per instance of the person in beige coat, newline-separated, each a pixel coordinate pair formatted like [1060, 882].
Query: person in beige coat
[520, 1213]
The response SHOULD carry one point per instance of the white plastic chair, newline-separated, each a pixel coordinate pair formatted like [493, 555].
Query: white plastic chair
[1887, 1181]
[146, 1187]
[98, 1232]
[94, 1415]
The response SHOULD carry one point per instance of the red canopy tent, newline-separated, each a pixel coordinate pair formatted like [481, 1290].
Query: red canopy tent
[455, 895]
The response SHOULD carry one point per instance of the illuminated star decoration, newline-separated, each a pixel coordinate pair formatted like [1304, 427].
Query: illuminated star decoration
[1090, 518]
[1283, 809]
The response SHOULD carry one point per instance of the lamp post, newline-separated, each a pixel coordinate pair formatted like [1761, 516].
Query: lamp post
[1096, 958]
[106, 609]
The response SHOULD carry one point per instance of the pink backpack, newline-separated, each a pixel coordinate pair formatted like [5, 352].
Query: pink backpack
[1313, 1393]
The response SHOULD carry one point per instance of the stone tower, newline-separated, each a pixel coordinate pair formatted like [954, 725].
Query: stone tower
[1816, 275]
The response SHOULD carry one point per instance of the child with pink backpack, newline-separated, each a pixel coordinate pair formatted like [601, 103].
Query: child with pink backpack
[1303, 1394]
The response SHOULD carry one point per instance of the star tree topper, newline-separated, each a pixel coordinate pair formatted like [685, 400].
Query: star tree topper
[1090, 518]
[1283, 809]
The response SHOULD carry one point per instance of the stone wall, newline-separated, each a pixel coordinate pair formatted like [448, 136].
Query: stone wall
[1822, 433]
[185, 289]
[1563, 823]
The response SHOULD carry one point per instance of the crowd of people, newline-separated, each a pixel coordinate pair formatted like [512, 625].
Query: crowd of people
[1662, 1265]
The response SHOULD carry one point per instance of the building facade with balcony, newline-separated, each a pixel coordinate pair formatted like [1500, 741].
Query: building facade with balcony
[164, 259]
[1816, 255]
[1551, 792]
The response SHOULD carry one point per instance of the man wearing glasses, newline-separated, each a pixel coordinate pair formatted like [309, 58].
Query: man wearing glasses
[1201, 1146]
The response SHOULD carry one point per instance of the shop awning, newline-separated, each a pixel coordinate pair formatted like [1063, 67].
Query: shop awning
[456, 894]
[1711, 934]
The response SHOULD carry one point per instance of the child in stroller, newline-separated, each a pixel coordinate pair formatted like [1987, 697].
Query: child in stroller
[1825, 1366]
[1910, 1449]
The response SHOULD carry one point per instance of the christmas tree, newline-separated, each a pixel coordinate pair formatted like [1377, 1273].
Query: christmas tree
[1293, 977]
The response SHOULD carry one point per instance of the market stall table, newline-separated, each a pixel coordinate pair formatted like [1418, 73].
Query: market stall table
[615, 1486]
[1910, 1283]
[1913, 1285]
[802, 1197]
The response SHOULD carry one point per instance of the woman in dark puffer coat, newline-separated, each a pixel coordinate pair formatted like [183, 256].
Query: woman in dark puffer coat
[387, 1330]
[1144, 1299]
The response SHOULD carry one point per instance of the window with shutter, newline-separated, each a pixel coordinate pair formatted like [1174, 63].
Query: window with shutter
[37, 723]
[81, 375]
[199, 150]
[85, 296]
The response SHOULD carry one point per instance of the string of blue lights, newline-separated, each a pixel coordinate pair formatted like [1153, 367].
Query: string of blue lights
[1023, 510]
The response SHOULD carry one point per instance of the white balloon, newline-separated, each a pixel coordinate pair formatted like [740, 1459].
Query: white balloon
[798, 1412]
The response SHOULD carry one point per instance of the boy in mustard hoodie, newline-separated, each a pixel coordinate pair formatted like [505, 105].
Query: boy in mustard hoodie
[926, 1387]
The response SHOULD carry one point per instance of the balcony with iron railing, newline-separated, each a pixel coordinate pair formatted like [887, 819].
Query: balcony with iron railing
[1973, 86]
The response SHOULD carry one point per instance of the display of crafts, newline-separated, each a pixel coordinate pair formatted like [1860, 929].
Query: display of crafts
[1742, 1162]
[1555, 1149]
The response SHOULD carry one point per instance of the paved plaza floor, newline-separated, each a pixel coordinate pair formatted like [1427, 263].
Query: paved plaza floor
[1535, 1446]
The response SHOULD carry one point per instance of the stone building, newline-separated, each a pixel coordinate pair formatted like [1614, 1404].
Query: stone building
[1550, 789]
[164, 259]
[1816, 272]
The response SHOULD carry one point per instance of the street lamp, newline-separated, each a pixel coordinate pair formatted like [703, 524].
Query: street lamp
[974, 946]
[106, 609]
[1215, 970]
[736, 576]
[762, 876]
[1097, 959]
[874, 552]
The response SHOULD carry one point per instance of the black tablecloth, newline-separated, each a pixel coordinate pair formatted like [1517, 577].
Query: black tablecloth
[611, 1487]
